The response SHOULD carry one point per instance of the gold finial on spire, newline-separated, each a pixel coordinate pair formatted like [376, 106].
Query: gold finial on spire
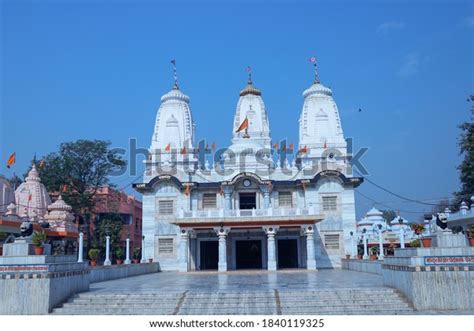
[312, 59]
[175, 75]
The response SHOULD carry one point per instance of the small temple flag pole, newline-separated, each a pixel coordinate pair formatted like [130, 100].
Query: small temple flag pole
[312, 59]
[175, 74]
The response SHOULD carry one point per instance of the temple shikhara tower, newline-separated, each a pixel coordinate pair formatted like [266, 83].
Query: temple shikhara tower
[259, 204]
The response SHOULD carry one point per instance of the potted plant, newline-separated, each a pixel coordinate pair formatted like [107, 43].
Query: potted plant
[415, 243]
[471, 237]
[38, 239]
[119, 255]
[348, 256]
[374, 250]
[418, 229]
[93, 255]
[136, 255]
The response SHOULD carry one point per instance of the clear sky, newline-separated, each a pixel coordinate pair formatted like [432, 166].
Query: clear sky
[97, 69]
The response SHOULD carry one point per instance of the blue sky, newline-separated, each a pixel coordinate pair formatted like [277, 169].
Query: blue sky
[98, 69]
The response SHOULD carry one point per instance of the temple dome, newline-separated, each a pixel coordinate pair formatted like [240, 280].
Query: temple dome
[317, 89]
[31, 196]
[7, 195]
[250, 106]
[60, 217]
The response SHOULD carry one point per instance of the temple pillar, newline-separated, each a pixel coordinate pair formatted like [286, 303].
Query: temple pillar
[308, 231]
[266, 190]
[222, 233]
[228, 197]
[183, 250]
[271, 246]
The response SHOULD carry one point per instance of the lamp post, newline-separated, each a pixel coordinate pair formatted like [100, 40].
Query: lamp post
[80, 257]
[402, 233]
[352, 245]
[107, 250]
[381, 255]
[143, 250]
[364, 239]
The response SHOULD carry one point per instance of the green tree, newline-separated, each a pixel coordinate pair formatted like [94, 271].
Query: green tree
[389, 215]
[77, 171]
[466, 149]
[108, 224]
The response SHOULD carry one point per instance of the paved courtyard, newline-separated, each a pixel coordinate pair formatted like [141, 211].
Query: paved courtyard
[239, 281]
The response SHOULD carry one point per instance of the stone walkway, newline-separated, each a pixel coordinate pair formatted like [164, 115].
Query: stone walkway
[239, 281]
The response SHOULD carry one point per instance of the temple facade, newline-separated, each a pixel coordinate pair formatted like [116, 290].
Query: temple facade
[257, 204]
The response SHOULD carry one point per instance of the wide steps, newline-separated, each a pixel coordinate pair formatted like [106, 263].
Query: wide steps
[324, 302]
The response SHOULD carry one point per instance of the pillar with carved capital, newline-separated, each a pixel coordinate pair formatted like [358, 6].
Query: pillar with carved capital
[308, 231]
[183, 250]
[228, 197]
[266, 190]
[222, 233]
[271, 246]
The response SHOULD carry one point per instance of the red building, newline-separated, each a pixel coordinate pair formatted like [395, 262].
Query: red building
[109, 200]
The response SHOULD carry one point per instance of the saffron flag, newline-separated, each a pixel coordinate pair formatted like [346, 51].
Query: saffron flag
[304, 149]
[187, 189]
[244, 125]
[168, 148]
[11, 160]
[325, 145]
[183, 150]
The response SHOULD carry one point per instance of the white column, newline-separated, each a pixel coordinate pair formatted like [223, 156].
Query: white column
[183, 250]
[402, 237]
[308, 230]
[80, 252]
[127, 252]
[381, 254]
[364, 239]
[107, 251]
[271, 246]
[222, 233]
[143, 260]
[353, 249]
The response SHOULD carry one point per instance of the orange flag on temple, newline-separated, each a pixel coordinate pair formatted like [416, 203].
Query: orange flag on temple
[168, 148]
[187, 189]
[11, 160]
[304, 149]
[244, 125]
[183, 150]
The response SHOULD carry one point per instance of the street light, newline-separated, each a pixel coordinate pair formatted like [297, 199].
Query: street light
[381, 255]
[402, 233]
[364, 239]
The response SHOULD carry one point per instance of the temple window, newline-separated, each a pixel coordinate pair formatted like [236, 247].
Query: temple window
[285, 199]
[209, 201]
[329, 203]
[165, 207]
[331, 241]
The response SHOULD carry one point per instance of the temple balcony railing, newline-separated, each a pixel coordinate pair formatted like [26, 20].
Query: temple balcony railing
[248, 216]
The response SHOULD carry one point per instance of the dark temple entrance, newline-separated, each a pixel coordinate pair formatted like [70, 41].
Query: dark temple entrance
[247, 201]
[248, 254]
[209, 255]
[287, 253]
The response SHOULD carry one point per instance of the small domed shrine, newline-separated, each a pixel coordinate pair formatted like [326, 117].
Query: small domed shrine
[32, 198]
[60, 217]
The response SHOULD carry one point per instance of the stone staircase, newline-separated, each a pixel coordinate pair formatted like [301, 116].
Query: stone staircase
[351, 301]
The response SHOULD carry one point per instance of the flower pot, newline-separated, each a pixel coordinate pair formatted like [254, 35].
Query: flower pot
[93, 263]
[373, 257]
[359, 257]
[119, 261]
[150, 260]
[39, 250]
[348, 257]
[426, 242]
[136, 261]
[471, 241]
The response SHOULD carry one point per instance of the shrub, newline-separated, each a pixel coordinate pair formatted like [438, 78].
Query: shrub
[93, 254]
[415, 243]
